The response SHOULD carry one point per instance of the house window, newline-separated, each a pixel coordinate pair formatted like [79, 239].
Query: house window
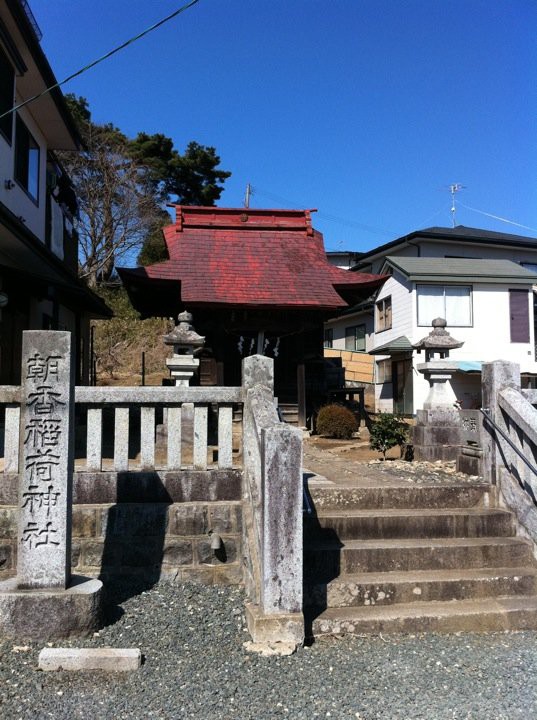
[519, 315]
[7, 92]
[355, 337]
[384, 314]
[26, 160]
[328, 337]
[451, 302]
[384, 371]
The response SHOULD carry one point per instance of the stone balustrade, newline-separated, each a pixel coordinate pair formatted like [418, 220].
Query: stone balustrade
[176, 402]
[157, 472]
[510, 442]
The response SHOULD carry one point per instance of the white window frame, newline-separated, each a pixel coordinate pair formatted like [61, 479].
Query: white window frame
[448, 321]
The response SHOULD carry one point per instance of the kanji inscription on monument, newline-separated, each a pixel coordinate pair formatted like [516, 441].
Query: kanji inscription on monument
[46, 457]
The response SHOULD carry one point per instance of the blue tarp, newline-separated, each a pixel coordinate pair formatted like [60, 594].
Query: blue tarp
[470, 365]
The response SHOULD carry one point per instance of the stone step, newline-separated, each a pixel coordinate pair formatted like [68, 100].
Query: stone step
[386, 524]
[389, 588]
[482, 615]
[325, 561]
[399, 496]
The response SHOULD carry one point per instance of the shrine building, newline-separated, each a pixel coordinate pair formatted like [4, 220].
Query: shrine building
[256, 281]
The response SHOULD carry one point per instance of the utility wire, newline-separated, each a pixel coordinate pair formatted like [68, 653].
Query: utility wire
[104, 57]
[323, 215]
[496, 217]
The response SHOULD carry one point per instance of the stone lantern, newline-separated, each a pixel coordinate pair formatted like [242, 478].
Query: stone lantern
[187, 345]
[438, 371]
[436, 435]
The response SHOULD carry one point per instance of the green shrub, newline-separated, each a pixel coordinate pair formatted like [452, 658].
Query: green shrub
[336, 421]
[387, 432]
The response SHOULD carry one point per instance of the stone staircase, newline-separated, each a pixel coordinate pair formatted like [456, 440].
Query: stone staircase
[414, 558]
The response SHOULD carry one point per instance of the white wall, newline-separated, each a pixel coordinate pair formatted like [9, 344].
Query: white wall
[488, 339]
[16, 199]
[338, 326]
[400, 290]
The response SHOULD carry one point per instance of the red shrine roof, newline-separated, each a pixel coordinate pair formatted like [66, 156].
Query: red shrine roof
[245, 256]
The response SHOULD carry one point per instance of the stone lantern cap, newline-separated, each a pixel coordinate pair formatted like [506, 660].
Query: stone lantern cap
[183, 337]
[438, 339]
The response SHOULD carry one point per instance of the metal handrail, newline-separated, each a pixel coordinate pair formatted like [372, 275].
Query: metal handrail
[485, 412]
[306, 504]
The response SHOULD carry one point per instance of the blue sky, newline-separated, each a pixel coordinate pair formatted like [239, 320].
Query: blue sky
[364, 109]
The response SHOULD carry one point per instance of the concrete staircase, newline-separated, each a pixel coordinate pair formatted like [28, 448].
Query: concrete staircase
[414, 558]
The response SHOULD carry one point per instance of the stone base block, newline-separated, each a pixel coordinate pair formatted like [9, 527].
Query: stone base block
[470, 460]
[106, 659]
[439, 416]
[50, 614]
[432, 453]
[470, 465]
[285, 628]
[436, 435]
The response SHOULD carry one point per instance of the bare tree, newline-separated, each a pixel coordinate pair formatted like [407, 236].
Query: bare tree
[117, 204]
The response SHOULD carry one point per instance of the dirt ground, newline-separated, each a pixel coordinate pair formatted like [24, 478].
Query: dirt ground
[353, 462]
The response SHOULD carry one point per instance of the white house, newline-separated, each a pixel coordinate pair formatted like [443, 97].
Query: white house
[39, 287]
[480, 281]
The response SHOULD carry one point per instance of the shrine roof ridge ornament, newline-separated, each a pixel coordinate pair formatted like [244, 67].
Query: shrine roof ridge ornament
[198, 216]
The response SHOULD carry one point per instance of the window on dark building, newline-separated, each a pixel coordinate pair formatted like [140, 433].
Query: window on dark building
[26, 160]
[355, 337]
[328, 337]
[7, 94]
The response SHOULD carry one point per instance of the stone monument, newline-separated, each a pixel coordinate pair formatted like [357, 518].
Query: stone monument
[436, 435]
[44, 600]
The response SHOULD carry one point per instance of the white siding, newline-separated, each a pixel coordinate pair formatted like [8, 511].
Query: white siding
[400, 290]
[338, 326]
[488, 339]
[16, 199]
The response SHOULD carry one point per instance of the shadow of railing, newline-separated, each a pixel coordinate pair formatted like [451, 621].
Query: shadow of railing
[134, 539]
[322, 561]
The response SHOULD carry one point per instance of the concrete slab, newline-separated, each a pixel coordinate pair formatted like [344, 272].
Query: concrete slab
[106, 659]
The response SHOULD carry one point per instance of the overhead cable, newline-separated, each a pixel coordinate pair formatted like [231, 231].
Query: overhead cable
[496, 217]
[104, 57]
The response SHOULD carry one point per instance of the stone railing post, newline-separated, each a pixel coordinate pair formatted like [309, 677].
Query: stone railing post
[496, 376]
[273, 488]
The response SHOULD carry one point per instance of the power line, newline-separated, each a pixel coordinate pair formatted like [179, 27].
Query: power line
[104, 57]
[497, 217]
[323, 215]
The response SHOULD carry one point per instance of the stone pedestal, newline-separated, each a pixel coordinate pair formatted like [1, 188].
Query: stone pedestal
[182, 368]
[437, 433]
[50, 614]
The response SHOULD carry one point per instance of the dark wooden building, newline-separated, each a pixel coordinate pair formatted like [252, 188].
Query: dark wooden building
[255, 281]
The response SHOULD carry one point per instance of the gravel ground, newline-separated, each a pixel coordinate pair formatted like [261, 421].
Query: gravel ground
[196, 667]
[421, 471]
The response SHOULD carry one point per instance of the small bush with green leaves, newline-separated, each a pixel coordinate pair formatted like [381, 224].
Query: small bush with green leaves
[336, 421]
[387, 432]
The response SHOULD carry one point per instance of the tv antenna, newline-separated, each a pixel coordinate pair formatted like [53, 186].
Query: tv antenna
[454, 188]
[247, 195]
